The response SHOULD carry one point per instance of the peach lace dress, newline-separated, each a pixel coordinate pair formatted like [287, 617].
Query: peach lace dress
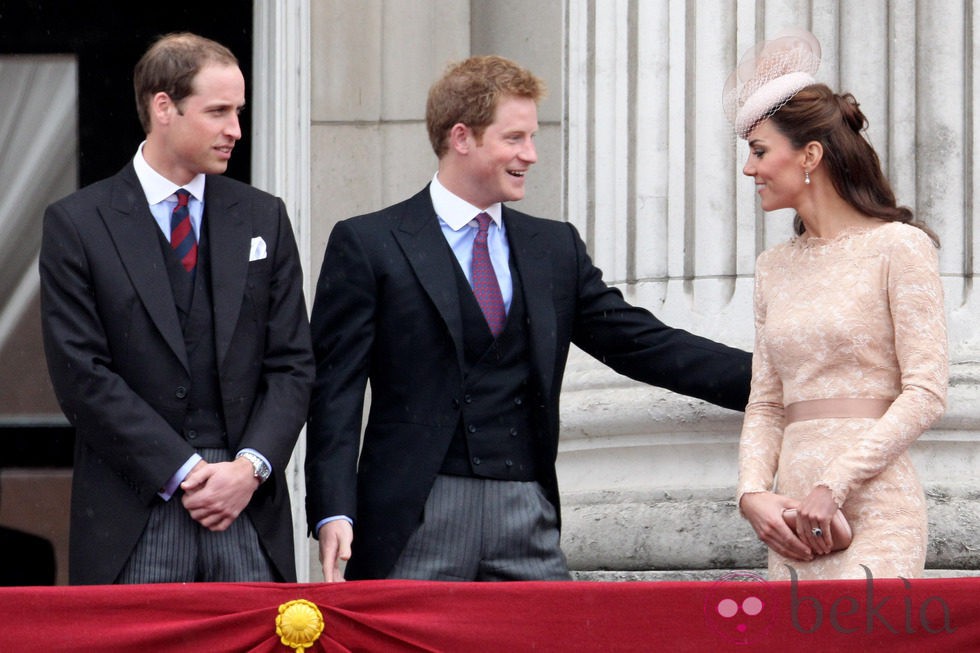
[858, 316]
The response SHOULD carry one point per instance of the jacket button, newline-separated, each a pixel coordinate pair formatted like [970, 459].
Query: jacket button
[455, 404]
[471, 428]
[509, 462]
[181, 392]
[513, 433]
[518, 401]
[468, 399]
[476, 460]
[191, 434]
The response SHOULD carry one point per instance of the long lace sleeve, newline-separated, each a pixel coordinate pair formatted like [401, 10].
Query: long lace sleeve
[916, 306]
[762, 429]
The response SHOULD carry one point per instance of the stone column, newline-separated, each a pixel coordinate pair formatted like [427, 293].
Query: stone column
[646, 475]
[281, 163]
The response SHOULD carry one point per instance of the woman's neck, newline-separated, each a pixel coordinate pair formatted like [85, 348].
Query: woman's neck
[827, 215]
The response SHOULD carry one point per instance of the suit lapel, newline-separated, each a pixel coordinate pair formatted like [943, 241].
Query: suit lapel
[425, 247]
[133, 229]
[531, 257]
[229, 237]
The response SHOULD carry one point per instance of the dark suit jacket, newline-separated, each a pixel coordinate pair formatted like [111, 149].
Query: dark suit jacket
[118, 364]
[386, 309]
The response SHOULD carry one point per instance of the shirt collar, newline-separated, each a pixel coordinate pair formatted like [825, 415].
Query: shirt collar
[158, 188]
[454, 210]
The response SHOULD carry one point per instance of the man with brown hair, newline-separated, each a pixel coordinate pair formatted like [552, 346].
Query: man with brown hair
[177, 342]
[460, 312]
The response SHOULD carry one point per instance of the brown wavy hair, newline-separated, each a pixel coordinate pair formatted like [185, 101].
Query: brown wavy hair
[170, 66]
[468, 93]
[836, 121]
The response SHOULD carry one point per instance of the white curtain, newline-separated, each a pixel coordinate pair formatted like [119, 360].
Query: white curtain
[38, 164]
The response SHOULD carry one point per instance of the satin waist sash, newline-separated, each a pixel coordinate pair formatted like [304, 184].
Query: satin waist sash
[800, 411]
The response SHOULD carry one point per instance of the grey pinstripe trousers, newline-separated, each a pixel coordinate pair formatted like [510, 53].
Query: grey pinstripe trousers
[483, 529]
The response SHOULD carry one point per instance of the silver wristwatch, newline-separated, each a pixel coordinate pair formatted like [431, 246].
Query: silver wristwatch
[260, 469]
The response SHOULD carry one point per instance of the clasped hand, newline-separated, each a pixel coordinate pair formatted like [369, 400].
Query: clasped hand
[216, 493]
[764, 511]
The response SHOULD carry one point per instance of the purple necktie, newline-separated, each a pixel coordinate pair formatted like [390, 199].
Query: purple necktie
[181, 234]
[484, 279]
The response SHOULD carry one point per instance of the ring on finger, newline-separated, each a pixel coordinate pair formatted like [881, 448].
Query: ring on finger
[817, 531]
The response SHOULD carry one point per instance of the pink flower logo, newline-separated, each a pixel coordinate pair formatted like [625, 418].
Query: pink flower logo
[735, 607]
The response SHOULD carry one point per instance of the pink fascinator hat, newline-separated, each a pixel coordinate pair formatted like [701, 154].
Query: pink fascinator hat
[768, 76]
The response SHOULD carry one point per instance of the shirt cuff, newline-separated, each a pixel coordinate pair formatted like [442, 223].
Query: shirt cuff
[256, 453]
[319, 524]
[167, 491]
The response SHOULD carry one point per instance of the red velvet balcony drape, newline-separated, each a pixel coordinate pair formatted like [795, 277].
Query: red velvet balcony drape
[738, 613]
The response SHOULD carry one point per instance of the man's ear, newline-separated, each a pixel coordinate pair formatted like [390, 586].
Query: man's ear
[461, 138]
[162, 108]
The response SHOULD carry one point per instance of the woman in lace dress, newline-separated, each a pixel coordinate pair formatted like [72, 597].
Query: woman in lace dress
[850, 362]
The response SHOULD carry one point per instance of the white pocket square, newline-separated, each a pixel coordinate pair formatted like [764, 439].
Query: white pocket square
[256, 252]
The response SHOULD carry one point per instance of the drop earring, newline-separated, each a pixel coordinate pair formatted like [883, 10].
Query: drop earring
[806, 177]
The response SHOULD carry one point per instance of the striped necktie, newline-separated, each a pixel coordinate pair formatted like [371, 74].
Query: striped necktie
[182, 238]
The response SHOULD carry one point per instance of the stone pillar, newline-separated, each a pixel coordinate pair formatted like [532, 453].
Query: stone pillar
[646, 475]
[281, 163]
